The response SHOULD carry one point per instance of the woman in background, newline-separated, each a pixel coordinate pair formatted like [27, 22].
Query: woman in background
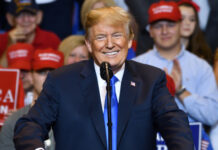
[191, 34]
[192, 37]
[74, 49]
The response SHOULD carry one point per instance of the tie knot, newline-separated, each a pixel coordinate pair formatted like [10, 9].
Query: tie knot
[113, 80]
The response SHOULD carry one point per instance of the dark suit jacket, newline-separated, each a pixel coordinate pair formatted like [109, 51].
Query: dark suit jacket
[70, 103]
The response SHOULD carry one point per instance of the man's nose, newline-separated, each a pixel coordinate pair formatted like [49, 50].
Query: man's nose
[164, 29]
[26, 18]
[110, 44]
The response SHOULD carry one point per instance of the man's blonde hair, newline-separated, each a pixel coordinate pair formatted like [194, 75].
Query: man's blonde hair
[111, 16]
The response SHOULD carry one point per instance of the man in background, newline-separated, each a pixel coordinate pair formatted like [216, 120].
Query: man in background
[19, 56]
[24, 17]
[196, 90]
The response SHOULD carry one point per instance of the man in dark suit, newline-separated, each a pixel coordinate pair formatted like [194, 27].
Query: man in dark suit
[73, 98]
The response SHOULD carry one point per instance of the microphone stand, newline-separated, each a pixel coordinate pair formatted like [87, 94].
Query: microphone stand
[109, 109]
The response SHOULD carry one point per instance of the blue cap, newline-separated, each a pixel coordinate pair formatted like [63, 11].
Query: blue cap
[18, 6]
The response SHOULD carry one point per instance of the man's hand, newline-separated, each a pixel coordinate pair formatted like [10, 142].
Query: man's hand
[17, 35]
[176, 74]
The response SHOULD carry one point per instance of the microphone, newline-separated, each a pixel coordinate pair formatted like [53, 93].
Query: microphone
[106, 74]
[106, 71]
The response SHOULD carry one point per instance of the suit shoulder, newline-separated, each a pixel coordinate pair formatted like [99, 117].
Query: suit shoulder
[140, 67]
[68, 70]
[147, 74]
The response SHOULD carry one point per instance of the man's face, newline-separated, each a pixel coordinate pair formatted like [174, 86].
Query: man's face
[26, 22]
[27, 80]
[166, 34]
[39, 77]
[109, 43]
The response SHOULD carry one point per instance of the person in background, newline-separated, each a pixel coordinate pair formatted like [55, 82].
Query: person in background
[191, 35]
[44, 61]
[208, 21]
[19, 56]
[24, 17]
[88, 5]
[72, 101]
[74, 49]
[196, 90]
[58, 16]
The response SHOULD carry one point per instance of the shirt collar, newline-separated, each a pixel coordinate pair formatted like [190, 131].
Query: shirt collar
[119, 74]
[181, 53]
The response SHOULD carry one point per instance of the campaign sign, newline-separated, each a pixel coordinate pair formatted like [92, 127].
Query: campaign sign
[196, 128]
[9, 81]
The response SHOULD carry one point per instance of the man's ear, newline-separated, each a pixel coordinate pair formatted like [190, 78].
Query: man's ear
[130, 43]
[88, 44]
[10, 19]
[39, 16]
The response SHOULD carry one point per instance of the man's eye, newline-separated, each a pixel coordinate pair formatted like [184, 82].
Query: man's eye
[100, 37]
[171, 24]
[117, 35]
[157, 26]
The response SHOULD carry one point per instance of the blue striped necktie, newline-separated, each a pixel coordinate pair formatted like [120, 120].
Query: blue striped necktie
[114, 114]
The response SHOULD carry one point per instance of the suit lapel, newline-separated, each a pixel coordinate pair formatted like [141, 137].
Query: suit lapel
[91, 94]
[129, 87]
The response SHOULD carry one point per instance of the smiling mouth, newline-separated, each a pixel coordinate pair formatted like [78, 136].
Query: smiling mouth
[165, 38]
[111, 53]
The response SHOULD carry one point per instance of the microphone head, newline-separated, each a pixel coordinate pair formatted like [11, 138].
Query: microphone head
[106, 71]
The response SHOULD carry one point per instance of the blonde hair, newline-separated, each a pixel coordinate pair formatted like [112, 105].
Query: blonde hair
[70, 43]
[110, 16]
[88, 6]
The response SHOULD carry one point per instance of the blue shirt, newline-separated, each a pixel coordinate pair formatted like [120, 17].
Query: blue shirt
[197, 77]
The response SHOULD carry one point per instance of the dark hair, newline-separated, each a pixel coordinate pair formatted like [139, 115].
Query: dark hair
[197, 43]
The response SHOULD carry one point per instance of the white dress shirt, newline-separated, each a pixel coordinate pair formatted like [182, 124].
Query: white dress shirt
[102, 84]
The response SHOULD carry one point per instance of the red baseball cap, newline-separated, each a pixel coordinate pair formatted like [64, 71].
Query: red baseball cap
[47, 58]
[19, 56]
[190, 2]
[164, 10]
